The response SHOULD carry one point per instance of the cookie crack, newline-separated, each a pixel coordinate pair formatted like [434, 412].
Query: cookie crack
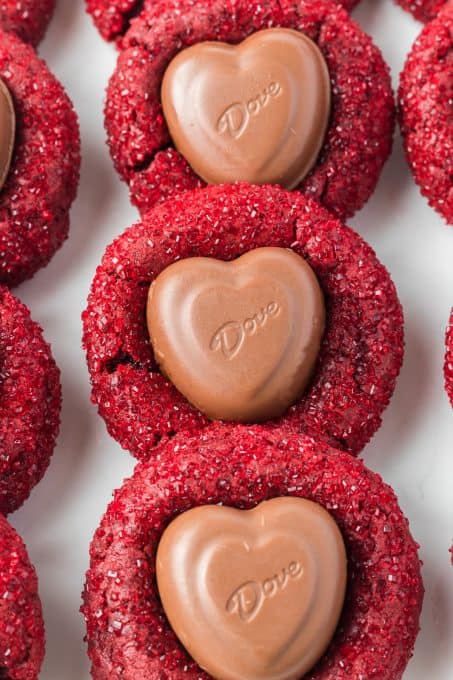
[121, 358]
[135, 10]
[316, 37]
[149, 158]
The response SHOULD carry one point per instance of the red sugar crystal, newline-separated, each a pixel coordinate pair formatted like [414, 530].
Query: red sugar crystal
[424, 10]
[27, 18]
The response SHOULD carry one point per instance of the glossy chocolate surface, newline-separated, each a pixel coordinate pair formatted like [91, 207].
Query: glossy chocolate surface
[7, 131]
[239, 339]
[254, 595]
[255, 112]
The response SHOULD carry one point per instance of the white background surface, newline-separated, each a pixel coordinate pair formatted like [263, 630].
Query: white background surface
[414, 448]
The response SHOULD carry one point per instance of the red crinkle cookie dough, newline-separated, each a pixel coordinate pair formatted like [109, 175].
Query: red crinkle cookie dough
[44, 174]
[30, 400]
[359, 137]
[128, 634]
[27, 18]
[449, 360]
[425, 111]
[112, 18]
[21, 623]
[424, 10]
[363, 344]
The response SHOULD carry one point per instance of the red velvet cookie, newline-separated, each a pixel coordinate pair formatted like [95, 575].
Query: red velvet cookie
[363, 344]
[426, 118]
[27, 18]
[359, 136]
[21, 624]
[112, 18]
[42, 181]
[128, 633]
[449, 360]
[30, 399]
[424, 10]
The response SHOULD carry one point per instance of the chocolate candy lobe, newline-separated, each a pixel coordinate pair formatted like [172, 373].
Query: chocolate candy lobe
[7, 131]
[255, 112]
[254, 595]
[239, 339]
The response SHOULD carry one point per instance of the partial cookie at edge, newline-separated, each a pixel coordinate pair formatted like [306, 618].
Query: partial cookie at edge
[21, 623]
[423, 10]
[112, 18]
[30, 402]
[44, 175]
[359, 137]
[28, 19]
[425, 113]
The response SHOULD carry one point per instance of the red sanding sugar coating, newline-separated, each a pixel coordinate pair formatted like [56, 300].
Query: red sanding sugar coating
[363, 345]
[43, 179]
[424, 10]
[30, 400]
[128, 634]
[113, 17]
[359, 137]
[426, 112]
[449, 360]
[27, 18]
[21, 624]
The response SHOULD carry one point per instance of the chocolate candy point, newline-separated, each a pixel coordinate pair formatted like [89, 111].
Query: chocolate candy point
[7, 131]
[255, 112]
[238, 339]
[257, 594]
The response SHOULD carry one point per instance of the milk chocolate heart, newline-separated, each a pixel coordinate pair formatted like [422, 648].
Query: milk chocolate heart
[239, 339]
[7, 131]
[256, 112]
[253, 595]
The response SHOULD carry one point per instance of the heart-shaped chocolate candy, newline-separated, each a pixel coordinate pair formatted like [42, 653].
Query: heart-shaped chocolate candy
[255, 112]
[239, 339]
[7, 131]
[254, 595]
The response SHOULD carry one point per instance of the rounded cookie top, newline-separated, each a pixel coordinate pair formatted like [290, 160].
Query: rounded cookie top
[21, 623]
[42, 181]
[28, 19]
[360, 130]
[127, 631]
[424, 10]
[425, 94]
[112, 18]
[362, 348]
[30, 400]
[449, 360]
